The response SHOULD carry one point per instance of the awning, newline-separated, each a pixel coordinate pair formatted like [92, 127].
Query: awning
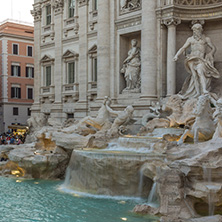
[18, 127]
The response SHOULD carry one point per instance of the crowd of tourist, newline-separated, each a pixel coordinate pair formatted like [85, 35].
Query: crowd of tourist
[12, 138]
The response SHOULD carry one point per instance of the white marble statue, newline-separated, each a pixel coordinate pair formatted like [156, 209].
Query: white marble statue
[132, 68]
[36, 122]
[122, 118]
[204, 126]
[198, 63]
[218, 119]
[97, 122]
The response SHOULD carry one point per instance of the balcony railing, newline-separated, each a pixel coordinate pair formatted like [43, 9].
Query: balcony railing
[188, 2]
[47, 90]
[70, 88]
[70, 91]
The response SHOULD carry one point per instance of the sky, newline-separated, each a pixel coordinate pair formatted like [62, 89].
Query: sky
[16, 10]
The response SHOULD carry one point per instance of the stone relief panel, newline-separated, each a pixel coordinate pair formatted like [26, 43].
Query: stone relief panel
[129, 5]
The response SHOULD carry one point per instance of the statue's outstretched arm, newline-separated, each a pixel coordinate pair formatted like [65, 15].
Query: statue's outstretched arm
[182, 49]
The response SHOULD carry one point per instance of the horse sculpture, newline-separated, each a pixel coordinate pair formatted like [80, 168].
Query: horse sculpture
[179, 113]
[204, 126]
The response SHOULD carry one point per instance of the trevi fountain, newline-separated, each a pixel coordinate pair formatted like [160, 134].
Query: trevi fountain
[166, 166]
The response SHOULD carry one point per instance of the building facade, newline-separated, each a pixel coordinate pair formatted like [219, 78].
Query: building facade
[17, 73]
[124, 49]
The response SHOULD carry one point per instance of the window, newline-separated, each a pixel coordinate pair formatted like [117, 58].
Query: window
[15, 70]
[30, 93]
[48, 14]
[15, 111]
[95, 6]
[70, 115]
[16, 93]
[47, 75]
[29, 72]
[71, 72]
[28, 112]
[29, 51]
[94, 69]
[15, 49]
[71, 8]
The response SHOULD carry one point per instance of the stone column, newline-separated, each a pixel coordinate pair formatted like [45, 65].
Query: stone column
[171, 51]
[103, 46]
[83, 51]
[149, 50]
[37, 14]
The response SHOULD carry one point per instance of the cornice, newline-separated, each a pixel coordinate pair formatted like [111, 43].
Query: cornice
[129, 21]
[189, 13]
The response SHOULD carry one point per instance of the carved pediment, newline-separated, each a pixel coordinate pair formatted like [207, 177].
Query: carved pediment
[47, 58]
[70, 54]
[93, 49]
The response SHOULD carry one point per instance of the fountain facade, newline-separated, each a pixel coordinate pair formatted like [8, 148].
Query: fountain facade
[113, 147]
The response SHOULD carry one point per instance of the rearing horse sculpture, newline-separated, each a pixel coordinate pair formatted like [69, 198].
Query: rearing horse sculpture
[204, 126]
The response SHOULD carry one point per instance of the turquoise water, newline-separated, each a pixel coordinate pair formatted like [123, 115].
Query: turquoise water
[38, 200]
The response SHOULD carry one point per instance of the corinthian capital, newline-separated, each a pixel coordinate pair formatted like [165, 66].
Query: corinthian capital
[171, 21]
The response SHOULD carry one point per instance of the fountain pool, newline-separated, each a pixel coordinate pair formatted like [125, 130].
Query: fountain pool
[38, 200]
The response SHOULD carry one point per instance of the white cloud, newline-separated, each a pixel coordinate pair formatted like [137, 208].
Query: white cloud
[16, 9]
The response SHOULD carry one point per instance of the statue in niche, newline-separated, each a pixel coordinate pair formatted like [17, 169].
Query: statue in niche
[129, 4]
[132, 67]
[198, 63]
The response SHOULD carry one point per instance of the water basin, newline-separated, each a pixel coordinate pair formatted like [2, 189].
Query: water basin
[38, 200]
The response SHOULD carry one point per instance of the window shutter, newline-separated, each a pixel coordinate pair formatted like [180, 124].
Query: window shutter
[19, 93]
[19, 69]
[12, 70]
[27, 71]
[12, 92]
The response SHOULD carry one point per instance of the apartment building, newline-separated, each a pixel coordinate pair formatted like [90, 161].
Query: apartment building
[16, 73]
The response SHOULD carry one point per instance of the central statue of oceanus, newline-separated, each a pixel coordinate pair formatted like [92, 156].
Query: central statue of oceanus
[198, 63]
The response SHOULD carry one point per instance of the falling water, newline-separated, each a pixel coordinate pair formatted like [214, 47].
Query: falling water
[140, 189]
[207, 173]
[152, 198]
[67, 177]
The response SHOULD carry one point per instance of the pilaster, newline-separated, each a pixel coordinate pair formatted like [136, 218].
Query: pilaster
[83, 51]
[37, 14]
[103, 83]
[58, 18]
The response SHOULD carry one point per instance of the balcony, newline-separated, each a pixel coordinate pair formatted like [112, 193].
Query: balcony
[47, 93]
[70, 92]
